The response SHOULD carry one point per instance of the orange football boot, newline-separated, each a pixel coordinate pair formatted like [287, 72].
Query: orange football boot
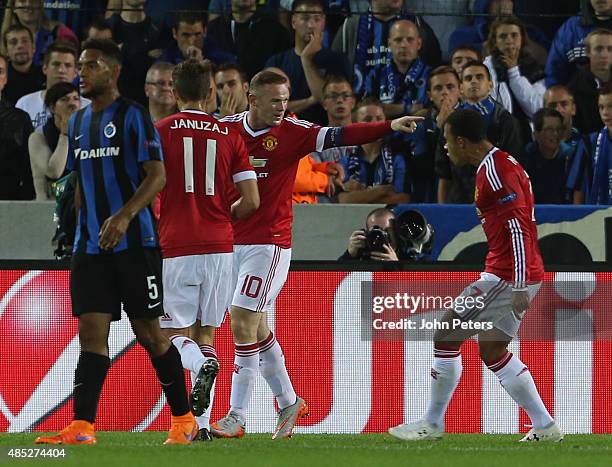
[183, 429]
[78, 432]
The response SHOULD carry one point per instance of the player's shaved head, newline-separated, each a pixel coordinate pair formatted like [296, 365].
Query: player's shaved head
[468, 124]
[264, 78]
[192, 80]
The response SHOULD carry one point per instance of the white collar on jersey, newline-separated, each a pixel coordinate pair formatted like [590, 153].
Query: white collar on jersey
[249, 130]
[194, 111]
[486, 157]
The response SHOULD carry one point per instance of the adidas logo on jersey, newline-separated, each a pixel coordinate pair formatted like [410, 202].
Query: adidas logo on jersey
[112, 151]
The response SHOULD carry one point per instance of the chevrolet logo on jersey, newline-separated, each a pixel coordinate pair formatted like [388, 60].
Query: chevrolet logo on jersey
[257, 163]
[96, 153]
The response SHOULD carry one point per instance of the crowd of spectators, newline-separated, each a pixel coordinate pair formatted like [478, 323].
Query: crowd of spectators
[541, 82]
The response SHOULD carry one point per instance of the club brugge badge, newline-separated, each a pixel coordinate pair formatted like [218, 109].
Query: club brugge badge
[110, 130]
[269, 143]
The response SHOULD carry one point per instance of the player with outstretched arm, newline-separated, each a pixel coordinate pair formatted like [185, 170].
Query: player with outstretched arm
[262, 249]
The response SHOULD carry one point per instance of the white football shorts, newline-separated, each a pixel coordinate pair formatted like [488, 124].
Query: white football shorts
[494, 305]
[196, 287]
[260, 271]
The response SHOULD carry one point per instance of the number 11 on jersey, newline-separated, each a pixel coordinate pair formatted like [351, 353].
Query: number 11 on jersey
[211, 159]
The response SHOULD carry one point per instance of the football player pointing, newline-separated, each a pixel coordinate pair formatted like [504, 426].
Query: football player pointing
[262, 249]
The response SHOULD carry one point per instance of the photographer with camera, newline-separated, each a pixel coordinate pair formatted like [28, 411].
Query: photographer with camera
[389, 238]
[375, 242]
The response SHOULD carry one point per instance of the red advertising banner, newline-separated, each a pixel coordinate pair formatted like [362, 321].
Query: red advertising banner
[353, 379]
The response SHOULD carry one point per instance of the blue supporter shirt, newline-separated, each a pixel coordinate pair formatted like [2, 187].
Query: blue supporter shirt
[391, 86]
[580, 161]
[107, 149]
[389, 168]
[419, 150]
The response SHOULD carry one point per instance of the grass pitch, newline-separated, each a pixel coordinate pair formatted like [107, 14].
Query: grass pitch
[118, 449]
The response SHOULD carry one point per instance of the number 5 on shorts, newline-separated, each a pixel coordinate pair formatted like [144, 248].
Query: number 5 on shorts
[153, 294]
[250, 283]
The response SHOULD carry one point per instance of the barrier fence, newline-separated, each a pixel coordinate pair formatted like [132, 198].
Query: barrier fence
[354, 379]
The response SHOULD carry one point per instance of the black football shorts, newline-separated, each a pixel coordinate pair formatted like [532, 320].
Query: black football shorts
[130, 280]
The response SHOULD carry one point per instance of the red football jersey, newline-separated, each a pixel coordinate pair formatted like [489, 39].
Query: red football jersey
[504, 204]
[275, 153]
[203, 160]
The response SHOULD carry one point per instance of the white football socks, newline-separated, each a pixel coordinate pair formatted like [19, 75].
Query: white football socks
[516, 379]
[246, 363]
[272, 368]
[191, 355]
[445, 373]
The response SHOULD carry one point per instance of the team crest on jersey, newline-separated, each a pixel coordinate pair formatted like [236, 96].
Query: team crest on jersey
[257, 163]
[269, 143]
[109, 130]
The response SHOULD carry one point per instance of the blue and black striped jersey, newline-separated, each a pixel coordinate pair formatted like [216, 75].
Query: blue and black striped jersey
[107, 149]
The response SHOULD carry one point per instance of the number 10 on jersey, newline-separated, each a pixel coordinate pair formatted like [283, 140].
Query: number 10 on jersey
[211, 159]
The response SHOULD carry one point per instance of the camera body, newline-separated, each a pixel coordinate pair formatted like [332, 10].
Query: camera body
[376, 239]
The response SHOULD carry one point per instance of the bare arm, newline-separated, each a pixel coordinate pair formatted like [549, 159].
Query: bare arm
[368, 196]
[313, 78]
[39, 160]
[115, 227]
[7, 20]
[57, 162]
[112, 7]
[299, 105]
[249, 199]
[396, 198]
[442, 190]
[578, 197]
[284, 18]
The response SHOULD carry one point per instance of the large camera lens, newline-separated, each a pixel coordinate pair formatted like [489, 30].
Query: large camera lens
[411, 225]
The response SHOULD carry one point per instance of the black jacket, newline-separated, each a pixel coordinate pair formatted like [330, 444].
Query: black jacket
[584, 87]
[15, 170]
[252, 42]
